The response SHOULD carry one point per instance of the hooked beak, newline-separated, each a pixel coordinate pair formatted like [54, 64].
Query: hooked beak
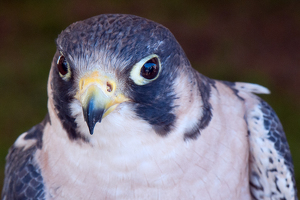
[99, 97]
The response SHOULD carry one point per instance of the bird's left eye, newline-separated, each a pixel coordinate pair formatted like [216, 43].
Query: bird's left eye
[150, 68]
[146, 70]
[63, 67]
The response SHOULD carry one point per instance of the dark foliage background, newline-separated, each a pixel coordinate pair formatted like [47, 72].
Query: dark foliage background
[251, 41]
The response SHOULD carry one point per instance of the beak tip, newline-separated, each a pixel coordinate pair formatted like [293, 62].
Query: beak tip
[91, 130]
[92, 126]
[92, 115]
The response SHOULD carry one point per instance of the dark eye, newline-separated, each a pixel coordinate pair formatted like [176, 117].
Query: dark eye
[150, 69]
[62, 65]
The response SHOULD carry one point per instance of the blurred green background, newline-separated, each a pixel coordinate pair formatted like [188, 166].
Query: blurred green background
[250, 41]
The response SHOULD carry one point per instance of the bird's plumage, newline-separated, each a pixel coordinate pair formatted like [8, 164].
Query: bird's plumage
[171, 134]
[24, 179]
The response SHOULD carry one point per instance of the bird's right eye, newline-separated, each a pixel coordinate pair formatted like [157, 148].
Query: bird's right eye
[63, 67]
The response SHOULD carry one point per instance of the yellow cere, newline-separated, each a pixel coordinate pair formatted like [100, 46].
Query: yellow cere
[97, 80]
[103, 89]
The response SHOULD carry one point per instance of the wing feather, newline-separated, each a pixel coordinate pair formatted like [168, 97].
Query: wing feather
[271, 166]
[23, 179]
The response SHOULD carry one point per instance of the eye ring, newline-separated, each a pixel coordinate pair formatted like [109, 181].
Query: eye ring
[63, 67]
[146, 70]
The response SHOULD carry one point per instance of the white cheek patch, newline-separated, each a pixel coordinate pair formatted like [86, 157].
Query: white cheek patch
[77, 113]
[190, 111]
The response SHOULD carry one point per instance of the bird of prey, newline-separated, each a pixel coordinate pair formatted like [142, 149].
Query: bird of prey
[129, 118]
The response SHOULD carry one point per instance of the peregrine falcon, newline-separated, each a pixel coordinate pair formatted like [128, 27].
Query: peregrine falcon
[129, 118]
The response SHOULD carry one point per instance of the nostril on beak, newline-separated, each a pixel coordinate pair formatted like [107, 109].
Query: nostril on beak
[108, 87]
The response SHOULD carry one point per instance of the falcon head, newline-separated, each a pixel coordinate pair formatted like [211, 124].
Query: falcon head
[111, 69]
